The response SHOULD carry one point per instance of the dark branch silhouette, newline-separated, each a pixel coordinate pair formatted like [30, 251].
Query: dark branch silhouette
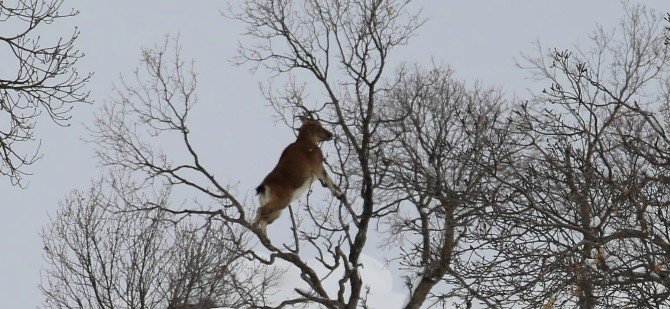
[39, 76]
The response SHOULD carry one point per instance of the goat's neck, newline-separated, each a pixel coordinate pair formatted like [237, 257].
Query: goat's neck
[308, 139]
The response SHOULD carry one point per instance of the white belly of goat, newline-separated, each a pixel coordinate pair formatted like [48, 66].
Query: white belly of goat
[301, 190]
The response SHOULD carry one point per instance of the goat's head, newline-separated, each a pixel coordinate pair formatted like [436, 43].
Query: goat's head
[313, 129]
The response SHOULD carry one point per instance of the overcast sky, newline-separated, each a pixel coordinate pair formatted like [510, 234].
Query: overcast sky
[233, 127]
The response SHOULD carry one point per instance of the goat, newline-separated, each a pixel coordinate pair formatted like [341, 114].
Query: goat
[299, 164]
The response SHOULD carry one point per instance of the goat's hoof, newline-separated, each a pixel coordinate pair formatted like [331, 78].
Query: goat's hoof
[262, 227]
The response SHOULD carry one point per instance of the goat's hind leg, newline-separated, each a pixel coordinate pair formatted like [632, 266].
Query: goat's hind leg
[269, 212]
[263, 192]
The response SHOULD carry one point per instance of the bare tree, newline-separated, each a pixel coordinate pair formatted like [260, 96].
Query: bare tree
[582, 221]
[102, 252]
[437, 185]
[36, 77]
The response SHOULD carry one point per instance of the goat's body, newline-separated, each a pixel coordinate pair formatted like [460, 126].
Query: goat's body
[300, 163]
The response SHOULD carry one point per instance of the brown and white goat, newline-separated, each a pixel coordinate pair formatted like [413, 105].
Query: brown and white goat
[300, 163]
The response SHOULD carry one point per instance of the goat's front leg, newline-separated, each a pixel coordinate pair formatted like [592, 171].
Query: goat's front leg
[327, 182]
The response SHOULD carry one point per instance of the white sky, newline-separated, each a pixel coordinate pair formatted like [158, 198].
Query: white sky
[234, 128]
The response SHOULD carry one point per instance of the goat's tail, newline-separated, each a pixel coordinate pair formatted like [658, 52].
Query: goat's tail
[260, 189]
